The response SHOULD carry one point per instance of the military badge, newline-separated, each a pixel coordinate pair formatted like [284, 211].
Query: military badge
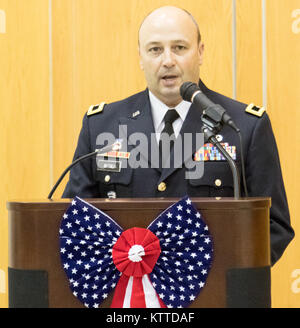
[254, 110]
[94, 109]
[210, 153]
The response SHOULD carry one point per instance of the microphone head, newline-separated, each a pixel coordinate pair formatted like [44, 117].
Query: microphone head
[187, 90]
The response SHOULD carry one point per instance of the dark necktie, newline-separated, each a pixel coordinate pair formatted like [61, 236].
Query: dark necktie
[169, 118]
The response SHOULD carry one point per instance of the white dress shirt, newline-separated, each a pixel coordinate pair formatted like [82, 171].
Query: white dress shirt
[159, 110]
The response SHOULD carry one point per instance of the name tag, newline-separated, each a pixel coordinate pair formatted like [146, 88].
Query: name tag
[108, 166]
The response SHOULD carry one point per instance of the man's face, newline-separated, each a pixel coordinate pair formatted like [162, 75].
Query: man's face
[169, 53]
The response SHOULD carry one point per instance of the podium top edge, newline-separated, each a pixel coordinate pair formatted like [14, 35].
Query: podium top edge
[140, 203]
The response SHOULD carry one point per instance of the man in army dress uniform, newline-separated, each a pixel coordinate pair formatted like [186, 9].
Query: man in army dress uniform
[171, 53]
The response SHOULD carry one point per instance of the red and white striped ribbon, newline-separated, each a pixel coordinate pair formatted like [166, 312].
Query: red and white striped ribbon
[135, 254]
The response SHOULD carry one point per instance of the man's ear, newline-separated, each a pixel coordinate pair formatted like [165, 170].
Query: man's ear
[201, 53]
[141, 62]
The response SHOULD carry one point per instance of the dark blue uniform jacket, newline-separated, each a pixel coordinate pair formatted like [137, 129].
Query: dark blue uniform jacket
[262, 165]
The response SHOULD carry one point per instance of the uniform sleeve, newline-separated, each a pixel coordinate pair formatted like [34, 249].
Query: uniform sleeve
[82, 182]
[264, 178]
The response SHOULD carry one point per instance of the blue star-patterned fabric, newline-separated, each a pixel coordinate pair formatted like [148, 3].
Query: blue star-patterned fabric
[87, 236]
[186, 254]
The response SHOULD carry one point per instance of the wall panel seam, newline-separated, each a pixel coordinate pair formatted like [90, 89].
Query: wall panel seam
[264, 55]
[234, 61]
[51, 173]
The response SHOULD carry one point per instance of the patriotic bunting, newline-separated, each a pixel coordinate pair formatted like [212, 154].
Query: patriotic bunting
[165, 265]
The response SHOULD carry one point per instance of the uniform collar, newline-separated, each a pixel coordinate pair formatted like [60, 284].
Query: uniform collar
[159, 109]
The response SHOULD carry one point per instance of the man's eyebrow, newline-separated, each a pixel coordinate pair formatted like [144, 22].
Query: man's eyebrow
[150, 43]
[180, 41]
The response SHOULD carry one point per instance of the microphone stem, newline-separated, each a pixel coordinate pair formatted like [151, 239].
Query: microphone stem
[234, 169]
[68, 169]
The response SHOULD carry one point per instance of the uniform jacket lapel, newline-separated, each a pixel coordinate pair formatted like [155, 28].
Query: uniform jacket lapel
[139, 120]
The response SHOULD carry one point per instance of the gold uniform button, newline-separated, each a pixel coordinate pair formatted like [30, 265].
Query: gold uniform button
[218, 183]
[162, 186]
[107, 178]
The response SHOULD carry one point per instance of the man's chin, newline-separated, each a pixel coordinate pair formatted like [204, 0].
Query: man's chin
[172, 92]
[171, 96]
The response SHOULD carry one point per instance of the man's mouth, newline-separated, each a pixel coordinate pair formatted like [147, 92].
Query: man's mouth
[169, 77]
[169, 80]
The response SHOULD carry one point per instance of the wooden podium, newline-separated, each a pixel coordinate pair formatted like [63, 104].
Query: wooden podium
[240, 273]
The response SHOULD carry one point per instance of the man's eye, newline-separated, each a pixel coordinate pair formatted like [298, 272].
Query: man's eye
[179, 48]
[155, 50]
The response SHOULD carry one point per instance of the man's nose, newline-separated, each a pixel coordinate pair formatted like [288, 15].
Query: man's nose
[168, 58]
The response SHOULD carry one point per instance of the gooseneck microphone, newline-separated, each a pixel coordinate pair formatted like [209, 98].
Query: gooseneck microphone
[191, 92]
[214, 116]
[115, 146]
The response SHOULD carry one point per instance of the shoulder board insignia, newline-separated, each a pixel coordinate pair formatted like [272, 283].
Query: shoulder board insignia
[254, 110]
[94, 109]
